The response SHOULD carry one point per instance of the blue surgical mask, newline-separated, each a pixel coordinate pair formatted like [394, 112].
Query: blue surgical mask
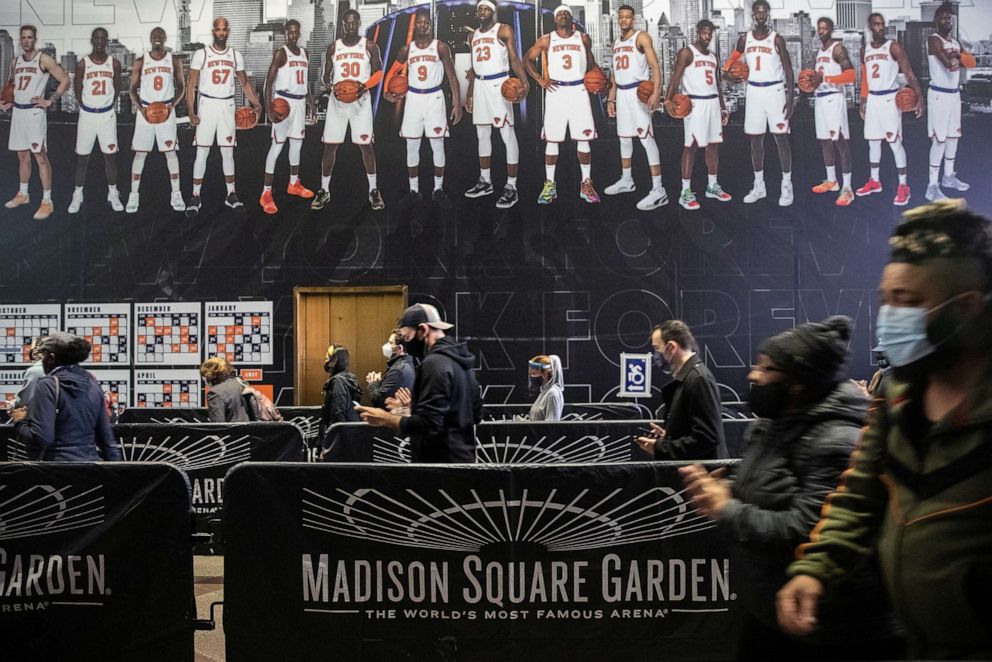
[902, 333]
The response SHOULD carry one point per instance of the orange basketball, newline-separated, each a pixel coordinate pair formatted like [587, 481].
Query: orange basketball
[398, 85]
[680, 106]
[906, 99]
[7, 96]
[512, 90]
[738, 70]
[595, 81]
[807, 80]
[245, 118]
[968, 60]
[645, 90]
[280, 109]
[346, 91]
[157, 112]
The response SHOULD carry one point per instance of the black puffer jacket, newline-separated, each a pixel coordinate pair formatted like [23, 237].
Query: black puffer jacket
[789, 466]
[341, 392]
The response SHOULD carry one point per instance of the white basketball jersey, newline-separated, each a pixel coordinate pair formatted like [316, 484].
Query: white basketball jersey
[217, 71]
[424, 67]
[630, 65]
[763, 61]
[566, 57]
[292, 76]
[827, 66]
[489, 55]
[940, 75]
[157, 79]
[882, 67]
[30, 80]
[98, 83]
[351, 62]
[699, 78]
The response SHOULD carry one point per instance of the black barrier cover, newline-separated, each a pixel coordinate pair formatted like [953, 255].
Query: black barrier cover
[582, 411]
[570, 562]
[163, 415]
[95, 562]
[307, 419]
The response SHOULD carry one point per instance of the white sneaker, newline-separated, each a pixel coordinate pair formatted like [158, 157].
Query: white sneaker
[952, 181]
[755, 194]
[114, 198]
[132, 203]
[77, 202]
[785, 198]
[177, 201]
[654, 199]
[622, 185]
[934, 193]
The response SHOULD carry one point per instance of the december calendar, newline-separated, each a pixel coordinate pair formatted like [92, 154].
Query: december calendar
[167, 334]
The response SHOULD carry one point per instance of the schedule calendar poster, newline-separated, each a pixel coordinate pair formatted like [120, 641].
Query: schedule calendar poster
[21, 324]
[116, 384]
[240, 331]
[167, 334]
[166, 388]
[10, 384]
[106, 326]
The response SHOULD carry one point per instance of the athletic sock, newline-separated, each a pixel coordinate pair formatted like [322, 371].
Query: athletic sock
[934, 175]
[266, 189]
[230, 187]
[438, 182]
[23, 188]
[325, 182]
[486, 175]
[511, 182]
[549, 172]
[759, 178]
[586, 169]
[371, 182]
[902, 179]
[46, 195]
[656, 182]
[710, 178]
[625, 174]
[874, 173]
[831, 173]
[787, 177]
[847, 180]
[196, 189]
[293, 179]
[686, 184]
[415, 184]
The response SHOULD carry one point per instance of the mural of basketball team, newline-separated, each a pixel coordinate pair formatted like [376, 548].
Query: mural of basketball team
[560, 62]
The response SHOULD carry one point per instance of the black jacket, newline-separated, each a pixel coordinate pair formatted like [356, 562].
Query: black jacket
[446, 405]
[400, 373]
[693, 427]
[225, 404]
[341, 392]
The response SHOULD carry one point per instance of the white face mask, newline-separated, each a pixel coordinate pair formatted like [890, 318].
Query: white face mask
[387, 350]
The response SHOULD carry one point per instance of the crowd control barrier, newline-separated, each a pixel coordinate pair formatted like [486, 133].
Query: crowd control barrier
[583, 411]
[163, 415]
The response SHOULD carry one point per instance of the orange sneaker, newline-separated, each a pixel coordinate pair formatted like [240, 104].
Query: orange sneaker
[45, 209]
[826, 186]
[267, 203]
[17, 201]
[845, 198]
[299, 190]
[902, 196]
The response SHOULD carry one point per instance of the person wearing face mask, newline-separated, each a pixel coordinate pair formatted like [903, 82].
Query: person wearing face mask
[919, 487]
[446, 401]
[546, 380]
[810, 419]
[400, 372]
[341, 392]
[692, 428]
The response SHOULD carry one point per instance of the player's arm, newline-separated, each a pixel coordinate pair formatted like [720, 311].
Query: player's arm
[900, 55]
[682, 60]
[132, 88]
[935, 47]
[49, 65]
[311, 104]
[328, 66]
[10, 81]
[117, 76]
[735, 55]
[278, 60]
[196, 63]
[611, 97]
[507, 36]
[449, 70]
[646, 45]
[790, 82]
[77, 82]
[375, 59]
[536, 51]
[590, 58]
[242, 76]
[399, 64]
[179, 80]
[724, 115]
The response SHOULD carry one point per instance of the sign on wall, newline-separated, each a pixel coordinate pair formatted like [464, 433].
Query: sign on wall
[21, 324]
[240, 331]
[635, 375]
[166, 388]
[167, 334]
[107, 327]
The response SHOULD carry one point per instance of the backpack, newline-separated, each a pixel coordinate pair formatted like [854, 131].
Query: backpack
[259, 407]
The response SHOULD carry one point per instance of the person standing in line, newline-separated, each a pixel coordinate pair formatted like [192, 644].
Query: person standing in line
[400, 372]
[546, 379]
[225, 394]
[341, 392]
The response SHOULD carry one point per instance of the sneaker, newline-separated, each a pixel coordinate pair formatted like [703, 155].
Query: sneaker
[17, 201]
[549, 193]
[176, 200]
[902, 196]
[826, 186]
[45, 209]
[299, 190]
[132, 203]
[412, 198]
[845, 198]
[508, 198]
[320, 200]
[688, 200]
[233, 202]
[266, 202]
[375, 199]
[717, 193]
[481, 188]
[785, 196]
[193, 208]
[934, 193]
[587, 192]
[76, 203]
[871, 186]
[440, 198]
[952, 181]
[114, 198]
[622, 185]
[755, 194]
[654, 199]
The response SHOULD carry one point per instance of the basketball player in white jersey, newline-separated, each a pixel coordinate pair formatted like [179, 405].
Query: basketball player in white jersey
[428, 62]
[568, 53]
[634, 61]
[944, 103]
[494, 54]
[287, 80]
[697, 71]
[833, 70]
[29, 73]
[881, 61]
[768, 99]
[97, 82]
[212, 73]
[157, 76]
[352, 57]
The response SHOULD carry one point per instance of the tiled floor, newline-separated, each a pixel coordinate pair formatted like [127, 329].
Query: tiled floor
[208, 578]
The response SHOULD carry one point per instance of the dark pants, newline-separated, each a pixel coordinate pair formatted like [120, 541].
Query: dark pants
[760, 643]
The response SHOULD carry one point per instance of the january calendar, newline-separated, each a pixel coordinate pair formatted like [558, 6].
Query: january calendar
[106, 326]
[20, 324]
[240, 331]
[167, 334]
[166, 388]
[10, 384]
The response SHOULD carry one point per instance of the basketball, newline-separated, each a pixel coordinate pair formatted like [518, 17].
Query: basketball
[906, 99]
[280, 109]
[512, 90]
[680, 106]
[7, 96]
[398, 85]
[595, 81]
[645, 90]
[968, 60]
[346, 91]
[806, 81]
[245, 118]
[157, 112]
[738, 70]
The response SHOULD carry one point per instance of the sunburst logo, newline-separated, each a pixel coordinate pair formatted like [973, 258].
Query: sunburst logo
[188, 451]
[46, 509]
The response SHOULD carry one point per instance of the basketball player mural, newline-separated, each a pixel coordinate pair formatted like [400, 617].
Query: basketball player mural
[29, 74]
[212, 73]
[350, 58]
[634, 61]
[428, 62]
[156, 77]
[287, 80]
[96, 84]
[494, 54]
[698, 73]
[882, 59]
[568, 54]
[768, 99]
[944, 103]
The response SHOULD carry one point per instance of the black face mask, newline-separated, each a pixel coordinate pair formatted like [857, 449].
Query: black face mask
[415, 347]
[768, 400]
[658, 359]
[535, 384]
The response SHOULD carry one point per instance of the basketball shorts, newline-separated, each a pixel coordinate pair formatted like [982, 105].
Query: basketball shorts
[488, 104]
[294, 126]
[424, 115]
[96, 127]
[147, 136]
[633, 117]
[357, 115]
[216, 123]
[943, 115]
[28, 130]
[883, 119]
[704, 123]
[568, 109]
[830, 116]
[764, 110]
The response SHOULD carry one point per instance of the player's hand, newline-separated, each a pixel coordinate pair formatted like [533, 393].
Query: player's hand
[403, 396]
[526, 89]
[796, 604]
[41, 102]
[362, 90]
[258, 113]
[817, 78]
[653, 100]
[141, 110]
[194, 119]
[611, 107]
[789, 107]
[311, 114]
[470, 74]
[547, 84]
[390, 97]
[468, 103]
[667, 105]
[724, 117]
[4, 107]
[861, 107]
[456, 113]
[919, 107]
[955, 63]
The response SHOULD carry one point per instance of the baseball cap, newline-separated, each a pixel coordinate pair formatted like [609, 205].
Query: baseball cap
[423, 313]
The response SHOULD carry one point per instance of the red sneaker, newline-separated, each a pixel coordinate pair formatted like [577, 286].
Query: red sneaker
[871, 186]
[267, 203]
[902, 196]
[299, 190]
